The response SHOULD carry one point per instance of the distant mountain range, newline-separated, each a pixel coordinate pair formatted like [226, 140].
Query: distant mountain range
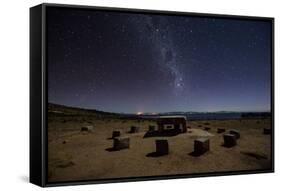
[56, 109]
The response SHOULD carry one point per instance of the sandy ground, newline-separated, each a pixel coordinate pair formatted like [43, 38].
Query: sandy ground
[76, 155]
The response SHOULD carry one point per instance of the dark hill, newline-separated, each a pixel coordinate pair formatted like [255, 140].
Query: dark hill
[61, 110]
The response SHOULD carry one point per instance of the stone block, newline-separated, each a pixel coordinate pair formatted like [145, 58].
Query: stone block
[121, 143]
[201, 146]
[229, 140]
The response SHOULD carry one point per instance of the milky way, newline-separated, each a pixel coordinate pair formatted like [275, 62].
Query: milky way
[155, 31]
[124, 62]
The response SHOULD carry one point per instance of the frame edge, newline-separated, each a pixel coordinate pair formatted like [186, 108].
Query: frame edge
[35, 140]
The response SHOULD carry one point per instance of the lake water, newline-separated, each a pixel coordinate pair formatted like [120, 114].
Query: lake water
[215, 116]
[208, 116]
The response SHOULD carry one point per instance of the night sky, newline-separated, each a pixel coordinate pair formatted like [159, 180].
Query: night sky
[122, 62]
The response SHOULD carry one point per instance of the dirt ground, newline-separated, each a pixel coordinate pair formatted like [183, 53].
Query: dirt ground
[76, 155]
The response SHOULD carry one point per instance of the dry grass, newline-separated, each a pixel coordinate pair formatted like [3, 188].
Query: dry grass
[76, 155]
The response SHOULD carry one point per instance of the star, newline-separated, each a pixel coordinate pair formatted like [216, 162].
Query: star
[122, 63]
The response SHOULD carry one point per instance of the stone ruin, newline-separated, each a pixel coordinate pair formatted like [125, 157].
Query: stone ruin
[267, 131]
[229, 140]
[207, 128]
[171, 124]
[120, 143]
[220, 130]
[134, 129]
[235, 132]
[116, 133]
[87, 128]
[162, 147]
[201, 146]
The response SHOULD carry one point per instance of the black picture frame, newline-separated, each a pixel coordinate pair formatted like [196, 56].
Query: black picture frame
[38, 95]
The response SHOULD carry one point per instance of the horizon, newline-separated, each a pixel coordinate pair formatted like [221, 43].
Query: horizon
[130, 63]
[156, 113]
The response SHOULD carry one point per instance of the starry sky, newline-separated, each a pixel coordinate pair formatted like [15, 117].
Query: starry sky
[129, 63]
